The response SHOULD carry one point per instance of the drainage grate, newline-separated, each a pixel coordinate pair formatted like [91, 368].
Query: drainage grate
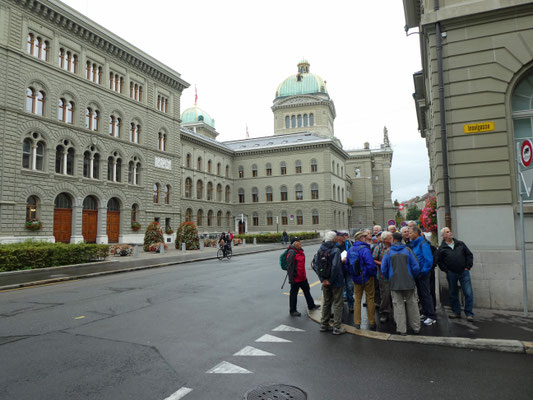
[276, 392]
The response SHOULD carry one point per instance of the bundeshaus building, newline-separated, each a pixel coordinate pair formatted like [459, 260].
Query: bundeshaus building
[94, 139]
[474, 102]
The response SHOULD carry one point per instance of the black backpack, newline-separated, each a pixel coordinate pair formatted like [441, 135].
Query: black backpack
[322, 263]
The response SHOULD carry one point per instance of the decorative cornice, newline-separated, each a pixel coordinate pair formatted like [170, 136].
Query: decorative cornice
[56, 13]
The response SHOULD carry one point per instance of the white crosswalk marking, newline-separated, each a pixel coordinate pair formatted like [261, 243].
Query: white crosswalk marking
[252, 351]
[272, 339]
[227, 368]
[179, 394]
[285, 328]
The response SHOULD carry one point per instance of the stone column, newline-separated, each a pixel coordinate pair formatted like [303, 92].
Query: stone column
[77, 213]
[101, 233]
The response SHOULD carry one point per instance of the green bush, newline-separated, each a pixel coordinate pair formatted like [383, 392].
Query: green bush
[153, 234]
[188, 234]
[30, 254]
[275, 237]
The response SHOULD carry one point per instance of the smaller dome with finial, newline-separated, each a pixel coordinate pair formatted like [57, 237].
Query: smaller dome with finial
[196, 114]
[303, 82]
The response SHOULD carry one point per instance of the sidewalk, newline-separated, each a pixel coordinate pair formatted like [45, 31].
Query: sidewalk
[113, 264]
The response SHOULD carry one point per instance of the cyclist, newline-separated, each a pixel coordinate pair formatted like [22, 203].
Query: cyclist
[225, 243]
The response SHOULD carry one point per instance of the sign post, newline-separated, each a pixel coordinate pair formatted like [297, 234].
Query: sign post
[524, 150]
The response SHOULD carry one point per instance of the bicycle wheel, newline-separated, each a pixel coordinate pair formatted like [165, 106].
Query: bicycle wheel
[228, 254]
[220, 254]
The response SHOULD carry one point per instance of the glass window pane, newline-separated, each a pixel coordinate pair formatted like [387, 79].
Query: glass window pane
[522, 128]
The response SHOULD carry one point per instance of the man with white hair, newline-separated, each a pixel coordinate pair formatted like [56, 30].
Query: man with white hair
[392, 229]
[376, 231]
[405, 234]
[412, 224]
[329, 258]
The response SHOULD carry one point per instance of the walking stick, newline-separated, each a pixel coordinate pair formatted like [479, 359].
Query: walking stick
[285, 280]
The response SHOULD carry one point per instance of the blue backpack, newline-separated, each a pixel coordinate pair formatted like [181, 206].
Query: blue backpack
[355, 268]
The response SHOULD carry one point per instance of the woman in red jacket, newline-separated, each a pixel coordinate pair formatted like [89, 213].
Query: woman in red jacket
[297, 277]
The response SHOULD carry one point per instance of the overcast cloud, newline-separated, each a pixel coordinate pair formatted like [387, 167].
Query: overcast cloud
[237, 52]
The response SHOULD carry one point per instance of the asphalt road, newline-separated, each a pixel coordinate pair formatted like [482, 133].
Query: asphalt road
[162, 333]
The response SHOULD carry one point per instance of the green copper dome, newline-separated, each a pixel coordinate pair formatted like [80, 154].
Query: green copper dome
[302, 83]
[196, 114]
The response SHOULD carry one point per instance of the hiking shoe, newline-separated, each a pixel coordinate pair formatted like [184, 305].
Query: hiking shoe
[470, 318]
[324, 328]
[315, 307]
[429, 321]
[383, 319]
[357, 326]
[339, 331]
[296, 314]
[422, 317]
[372, 327]
[454, 316]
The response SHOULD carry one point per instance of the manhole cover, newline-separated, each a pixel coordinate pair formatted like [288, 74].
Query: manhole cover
[276, 392]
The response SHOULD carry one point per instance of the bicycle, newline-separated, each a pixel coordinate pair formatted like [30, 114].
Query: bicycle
[224, 252]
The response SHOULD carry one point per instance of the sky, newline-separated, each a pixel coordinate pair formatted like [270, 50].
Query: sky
[238, 52]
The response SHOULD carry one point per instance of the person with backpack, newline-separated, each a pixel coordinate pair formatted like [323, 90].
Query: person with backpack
[297, 277]
[363, 270]
[328, 266]
[419, 245]
[400, 268]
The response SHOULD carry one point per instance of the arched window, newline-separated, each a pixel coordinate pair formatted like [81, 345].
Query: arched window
[156, 193]
[311, 119]
[314, 191]
[90, 203]
[167, 194]
[134, 213]
[188, 188]
[284, 219]
[314, 214]
[33, 153]
[254, 170]
[299, 217]
[228, 219]
[270, 220]
[91, 164]
[218, 169]
[338, 169]
[113, 204]
[200, 217]
[227, 195]
[92, 119]
[342, 171]
[299, 121]
[27, 153]
[65, 111]
[188, 215]
[114, 168]
[199, 163]
[134, 170]
[210, 218]
[357, 172]
[31, 208]
[333, 195]
[209, 165]
[268, 169]
[219, 192]
[188, 160]
[63, 201]
[135, 133]
[255, 219]
[199, 190]
[306, 120]
[342, 198]
[114, 126]
[255, 195]
[298, 167]
[35, 101]
[333, 166]
[283, 193]
[338, 193]
[241, 195]
[287, 122]
[65, 159]
[162, 143]
[219, 218]
[283, 168]
[268, 192]
[314, 165]
[299, 192]
[209, 191]
[293, 121]
[241, 171]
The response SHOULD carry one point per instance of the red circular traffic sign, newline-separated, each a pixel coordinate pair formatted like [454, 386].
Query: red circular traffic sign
[526, 153]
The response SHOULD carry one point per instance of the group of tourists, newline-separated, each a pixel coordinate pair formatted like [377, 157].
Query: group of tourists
[394, 269]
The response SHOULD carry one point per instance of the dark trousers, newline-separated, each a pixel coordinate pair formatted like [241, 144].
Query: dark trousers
[295, 288]
[422, 285]
[432, 287]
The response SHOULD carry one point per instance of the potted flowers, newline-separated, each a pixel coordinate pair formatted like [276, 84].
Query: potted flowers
[34, 225]
[135, 226]
[168, 230]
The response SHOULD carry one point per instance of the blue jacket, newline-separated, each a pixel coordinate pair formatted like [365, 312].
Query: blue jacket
[412, 265]
[423, 254]
[336, 278]
[368, 267]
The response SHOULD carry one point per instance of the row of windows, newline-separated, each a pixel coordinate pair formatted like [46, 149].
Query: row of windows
[210, 217]
[282, 168]
[209, 193]
[38, 47]
[35, 104]
[165, 194]
[298, 193]
[299, 120]
[188, 163]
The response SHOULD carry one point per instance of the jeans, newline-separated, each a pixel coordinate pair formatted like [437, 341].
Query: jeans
[348, 291]
[293, 297]
[424, 293]
[466, 286]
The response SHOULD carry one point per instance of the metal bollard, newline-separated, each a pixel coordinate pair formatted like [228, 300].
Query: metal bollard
[183, 248]
[201, 245]
[162, 249]
[255, 241]
[243, 242]
[136, 250]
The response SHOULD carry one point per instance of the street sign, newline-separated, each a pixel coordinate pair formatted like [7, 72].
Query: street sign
[392, 222]
[526, 153]
[479, 127]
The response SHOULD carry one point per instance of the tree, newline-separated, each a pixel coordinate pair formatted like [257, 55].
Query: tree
[413, 213]
[396, 204]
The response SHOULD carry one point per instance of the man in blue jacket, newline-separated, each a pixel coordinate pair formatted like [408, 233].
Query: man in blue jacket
[423, 254]
[401, 268]
[363, 278]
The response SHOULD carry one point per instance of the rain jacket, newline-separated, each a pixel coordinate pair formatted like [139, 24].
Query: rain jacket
[296, 265]
[400, 266]
[336, 278]
[423, 254]
[368, 267]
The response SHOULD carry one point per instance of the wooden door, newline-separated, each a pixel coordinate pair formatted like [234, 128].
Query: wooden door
[241, 228]
[89, 225]
[113, 226]
[62, 224]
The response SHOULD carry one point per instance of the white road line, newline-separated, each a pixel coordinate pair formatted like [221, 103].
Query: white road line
[227, 368]
[182, 392]
[272, 339]
[252, 351]
[285, 328]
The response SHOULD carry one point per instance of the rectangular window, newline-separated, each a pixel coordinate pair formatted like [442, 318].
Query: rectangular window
[241, 173]
[314, 194]
[283, 196]
[255, 198]
[299, 195]
[255, 221]
[283, 220]
[299, 220]
[283, 170]
[241, 198]
[299, 169]
[269, 197]
[270, 221]
[269, 171]
[254, 173]
[315, 219]
[313, 168]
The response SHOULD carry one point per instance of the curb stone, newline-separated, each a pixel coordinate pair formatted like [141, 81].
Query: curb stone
[507, 346]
